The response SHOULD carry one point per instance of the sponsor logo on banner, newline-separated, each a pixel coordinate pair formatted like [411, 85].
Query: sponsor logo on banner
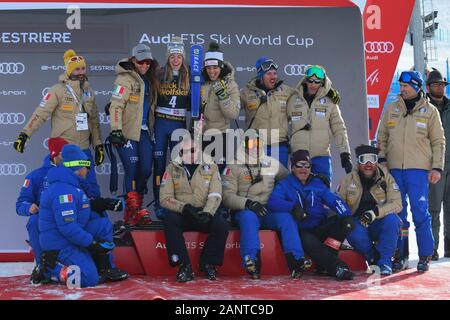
[6, 143]
[373, 101]
[53, 68]
[12, 169]
[379, 47]
[105, 169]
[103, 93]
[12, 118]
[245, 69]
[374, 77]
[45, 143]
[45, 91]
[103, 118]
[13, 93]
[10, 68]
[92, 68]
[295, 69]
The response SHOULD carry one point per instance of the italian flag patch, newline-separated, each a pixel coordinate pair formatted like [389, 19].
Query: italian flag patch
[226, 172]
[118, 91]
[26, 183]
[65, 198]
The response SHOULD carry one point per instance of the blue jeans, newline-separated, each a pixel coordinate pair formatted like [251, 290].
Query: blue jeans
[33, 235]
[249, 223]
[137, 160]
[322, 165]
[413, 183]
[384, 231]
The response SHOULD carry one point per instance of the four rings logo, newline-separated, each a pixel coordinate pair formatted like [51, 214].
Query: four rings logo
[12, 68]
[12, 118]
[379, 47]
[295, 69]
[12, 169]
[105, 169]
[45, 91]
[103, 118]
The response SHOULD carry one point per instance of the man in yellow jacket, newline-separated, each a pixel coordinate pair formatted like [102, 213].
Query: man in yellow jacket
[374, 198]
[412, 143]
[71, 106]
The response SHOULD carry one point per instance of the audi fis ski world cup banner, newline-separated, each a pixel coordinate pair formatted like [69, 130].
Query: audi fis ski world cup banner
[31, 59]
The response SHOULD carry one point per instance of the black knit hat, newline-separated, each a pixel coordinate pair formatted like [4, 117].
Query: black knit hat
[364, 149]
[214, 56]
[300, 155]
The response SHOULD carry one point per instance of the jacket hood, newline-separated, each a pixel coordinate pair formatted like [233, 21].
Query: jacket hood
[322, 92]
[63, 174]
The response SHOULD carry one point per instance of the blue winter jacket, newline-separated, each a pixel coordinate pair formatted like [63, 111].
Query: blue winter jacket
[313, 197]
[35, 182]
[64, 211]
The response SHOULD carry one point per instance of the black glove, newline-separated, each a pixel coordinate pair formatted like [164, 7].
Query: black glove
[368, 217]
[299, 213]
[99, 154]
[21, 140]
[334, 95]
[256, 207]
[117, 139]
[220, 89]
[99, 205]
[346, 162]
[101, 247]
[190, 210]
[203, 218]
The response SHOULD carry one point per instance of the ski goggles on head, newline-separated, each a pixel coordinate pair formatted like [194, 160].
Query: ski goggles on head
[76, 59]
[368, 157]
[267, 65]
[317, 71]
[77, 163]
[407, 77]
[145, 61]
[302, 165]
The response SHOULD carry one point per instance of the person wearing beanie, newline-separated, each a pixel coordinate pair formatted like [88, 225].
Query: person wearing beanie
[264, 100]
[69, 234]
[27, 204]
[132, 114]
[307, 197]
[219, 101]
[439, 193]
[171, 109]
[412, 145]
[374, 198]
[247, 186]
[73, 111]
[314, 113]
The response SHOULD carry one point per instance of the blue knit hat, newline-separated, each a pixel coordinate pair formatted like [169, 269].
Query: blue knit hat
[263, 65]
[74, 158]
[413, 78]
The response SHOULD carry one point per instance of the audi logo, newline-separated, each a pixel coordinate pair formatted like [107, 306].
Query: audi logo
[12, 118]
[379, 47]
[105, 169]
[12, 169]
[295, 69]
[12, 68]
[45, 143]
[103, 118]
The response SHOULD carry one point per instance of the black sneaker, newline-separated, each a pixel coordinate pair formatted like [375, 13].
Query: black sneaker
[251, 266]
[38, 277]
[424, 264]
[301, 266]
[185, 273]
[344, 273]
[113, 275]
[210, 271]
[400, 264]
[435, 256]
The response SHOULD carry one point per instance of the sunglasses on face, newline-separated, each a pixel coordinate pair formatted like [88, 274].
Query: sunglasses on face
[317, 71]
[146, 61]
[368, 157]
[314, 81]
[302, 165]
[267, 65]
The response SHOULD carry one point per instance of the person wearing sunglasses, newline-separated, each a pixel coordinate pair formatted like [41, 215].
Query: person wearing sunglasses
[219, 101]
[308, 198]
[132, 117]
[69, 233]
[374, 198]
[313, 115]
[264, 100]
[190, 195]
[412, 145]
[73, 111]
[439, 193]
[171, 108]
[247, 186]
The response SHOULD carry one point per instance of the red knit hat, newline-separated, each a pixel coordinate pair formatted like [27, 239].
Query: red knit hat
[55, 146]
